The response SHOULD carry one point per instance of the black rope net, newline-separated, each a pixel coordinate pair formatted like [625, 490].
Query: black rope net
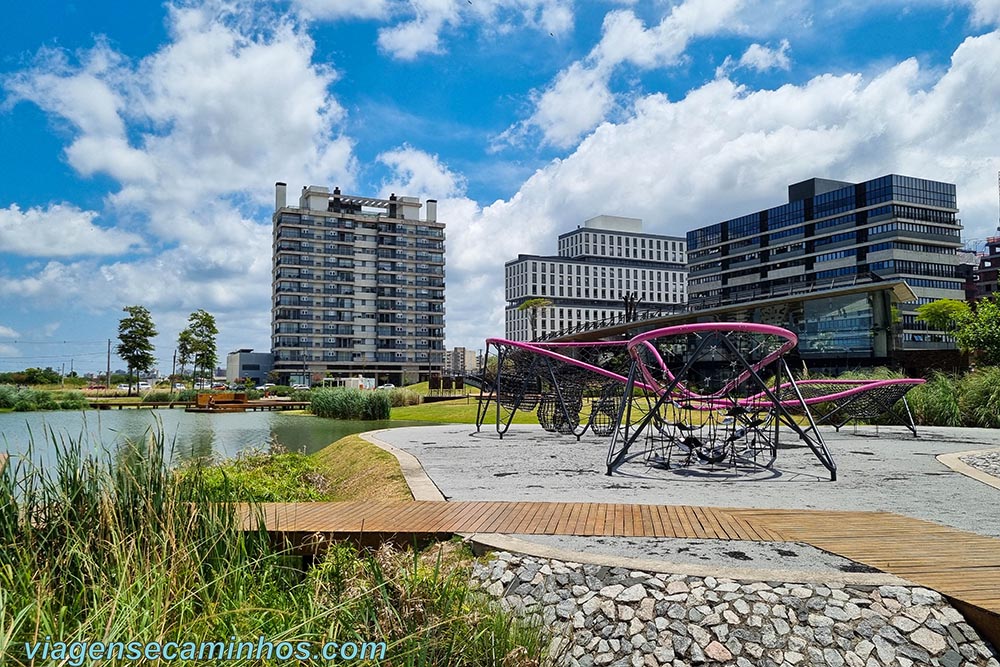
[573, 388]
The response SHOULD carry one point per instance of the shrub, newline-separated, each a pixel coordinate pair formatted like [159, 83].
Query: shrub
[159, 397]
[255, 476]
[403, 397]
[8, 396]
[24, 404]
[378, 405]
[300, 394]
[73, 400]
[936, 403]
[979, 397]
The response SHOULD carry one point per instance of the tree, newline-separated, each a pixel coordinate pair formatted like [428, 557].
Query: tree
[184, 349]
[944, 314]
[533, 306]
[135, 345]
[980, 332]
[198, 341]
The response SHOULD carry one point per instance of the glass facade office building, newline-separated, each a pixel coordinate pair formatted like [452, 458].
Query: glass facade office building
[358, 287]
[828, 236]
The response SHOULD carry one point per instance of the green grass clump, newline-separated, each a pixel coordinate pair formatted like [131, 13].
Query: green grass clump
[25, 399]
[979, 397]
[402, 397]
[426, 596]
[936, 403]
[273, 476]
[119, 548]
[350, 404]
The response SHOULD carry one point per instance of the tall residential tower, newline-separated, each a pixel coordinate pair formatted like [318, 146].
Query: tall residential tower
[357, 287]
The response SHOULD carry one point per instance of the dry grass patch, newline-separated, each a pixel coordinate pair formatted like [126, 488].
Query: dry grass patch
[358, 470]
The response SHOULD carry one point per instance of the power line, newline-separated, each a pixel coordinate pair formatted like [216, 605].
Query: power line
[68, 355]
[53, 342]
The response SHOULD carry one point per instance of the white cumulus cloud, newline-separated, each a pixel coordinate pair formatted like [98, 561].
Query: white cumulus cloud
[418, 27]
[759, 58]
[580, 97]
[60, 230]
[725, 149]
[194, 134]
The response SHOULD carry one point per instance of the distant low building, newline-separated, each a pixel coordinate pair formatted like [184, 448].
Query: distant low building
[245, 363]
[986, 274]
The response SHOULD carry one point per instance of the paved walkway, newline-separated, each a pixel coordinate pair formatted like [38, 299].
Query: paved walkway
[891, 473]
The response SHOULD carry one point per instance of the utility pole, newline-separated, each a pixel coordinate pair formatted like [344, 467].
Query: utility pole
[173, 367]
[109, 363]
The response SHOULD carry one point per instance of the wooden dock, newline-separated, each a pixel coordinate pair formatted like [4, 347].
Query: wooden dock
[251, 406]
[963, 566]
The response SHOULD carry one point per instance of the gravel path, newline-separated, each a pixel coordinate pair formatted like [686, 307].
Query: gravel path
[988, 462]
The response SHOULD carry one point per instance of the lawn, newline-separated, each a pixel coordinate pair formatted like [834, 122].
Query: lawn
[457, 411]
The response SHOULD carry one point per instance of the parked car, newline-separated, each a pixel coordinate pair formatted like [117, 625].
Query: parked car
[387, 385]
[144, 386]
[265, 386]
[179, 386]
[122, 387]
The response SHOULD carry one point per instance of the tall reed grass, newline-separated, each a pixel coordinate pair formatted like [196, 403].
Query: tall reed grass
[350, 404]
[971, 399]
[116, 548]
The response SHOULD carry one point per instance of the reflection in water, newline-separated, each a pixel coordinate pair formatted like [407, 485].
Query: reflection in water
[186, 435]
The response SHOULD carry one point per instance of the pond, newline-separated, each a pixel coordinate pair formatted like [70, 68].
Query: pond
[187, 435]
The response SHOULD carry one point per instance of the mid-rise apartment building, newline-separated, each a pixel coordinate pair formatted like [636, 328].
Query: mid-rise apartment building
[831, 234]
[597, 266]
[358, 287]
[461, 361]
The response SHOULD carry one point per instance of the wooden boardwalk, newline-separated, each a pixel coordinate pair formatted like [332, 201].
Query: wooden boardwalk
[963, 566]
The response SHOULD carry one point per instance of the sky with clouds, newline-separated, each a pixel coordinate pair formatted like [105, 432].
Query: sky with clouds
[142, 141]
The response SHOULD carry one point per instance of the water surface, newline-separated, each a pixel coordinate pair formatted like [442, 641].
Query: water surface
[187, 435]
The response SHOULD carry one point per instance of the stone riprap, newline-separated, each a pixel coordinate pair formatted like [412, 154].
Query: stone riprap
[988, 462]
[625, 618]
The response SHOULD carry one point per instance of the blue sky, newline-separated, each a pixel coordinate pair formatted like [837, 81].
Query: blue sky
[142, 140]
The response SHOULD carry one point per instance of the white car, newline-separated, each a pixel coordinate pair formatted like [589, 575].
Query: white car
[387, 385]
[300, 386]
[179, 385]
[265, 386]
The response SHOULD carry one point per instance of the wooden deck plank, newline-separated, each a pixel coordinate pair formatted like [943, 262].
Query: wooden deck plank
[961, 565]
